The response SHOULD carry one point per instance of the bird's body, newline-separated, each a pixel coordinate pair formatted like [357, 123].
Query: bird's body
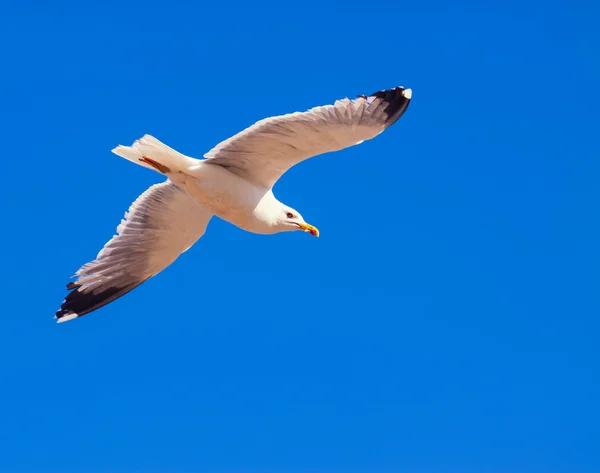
[228, 196]
[234, 182]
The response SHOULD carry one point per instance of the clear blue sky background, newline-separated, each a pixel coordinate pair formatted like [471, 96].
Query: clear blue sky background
[447, 320]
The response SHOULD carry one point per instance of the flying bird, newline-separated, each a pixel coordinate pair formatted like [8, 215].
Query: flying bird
[234, 182]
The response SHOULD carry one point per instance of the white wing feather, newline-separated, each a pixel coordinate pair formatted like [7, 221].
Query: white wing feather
[267, 149]
[161, 224]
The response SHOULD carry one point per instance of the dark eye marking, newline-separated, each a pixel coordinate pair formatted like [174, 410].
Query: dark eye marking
[289, 215]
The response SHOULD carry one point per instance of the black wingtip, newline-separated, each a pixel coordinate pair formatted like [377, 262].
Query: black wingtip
[395, 102]
[78, 303]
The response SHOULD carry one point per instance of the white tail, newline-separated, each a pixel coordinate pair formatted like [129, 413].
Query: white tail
[165, 159]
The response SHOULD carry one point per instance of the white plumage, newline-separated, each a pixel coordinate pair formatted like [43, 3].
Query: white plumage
[234, 182]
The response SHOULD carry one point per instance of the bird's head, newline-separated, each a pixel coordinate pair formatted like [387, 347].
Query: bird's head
[289, 220]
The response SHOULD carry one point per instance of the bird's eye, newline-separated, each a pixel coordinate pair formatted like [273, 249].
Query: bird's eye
[290, 215]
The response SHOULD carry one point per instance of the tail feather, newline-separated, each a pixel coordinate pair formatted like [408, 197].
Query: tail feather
[148, 151]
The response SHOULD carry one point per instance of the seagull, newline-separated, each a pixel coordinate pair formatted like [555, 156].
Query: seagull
[234, 182]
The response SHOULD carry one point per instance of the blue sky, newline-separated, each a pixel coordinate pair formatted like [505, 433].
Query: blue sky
[445, 321]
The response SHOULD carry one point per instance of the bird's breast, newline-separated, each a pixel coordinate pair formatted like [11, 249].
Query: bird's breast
[227, 195]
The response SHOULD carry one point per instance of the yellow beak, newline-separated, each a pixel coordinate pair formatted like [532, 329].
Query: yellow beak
[314, 231]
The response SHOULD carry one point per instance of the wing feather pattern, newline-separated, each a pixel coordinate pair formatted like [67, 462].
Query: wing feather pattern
[264, 151]
[161, 224]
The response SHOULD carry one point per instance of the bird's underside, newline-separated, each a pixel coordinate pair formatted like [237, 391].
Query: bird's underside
[166, 220]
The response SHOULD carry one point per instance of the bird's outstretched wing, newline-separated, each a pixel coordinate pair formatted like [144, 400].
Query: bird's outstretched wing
[160, 225]
[264, 151]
